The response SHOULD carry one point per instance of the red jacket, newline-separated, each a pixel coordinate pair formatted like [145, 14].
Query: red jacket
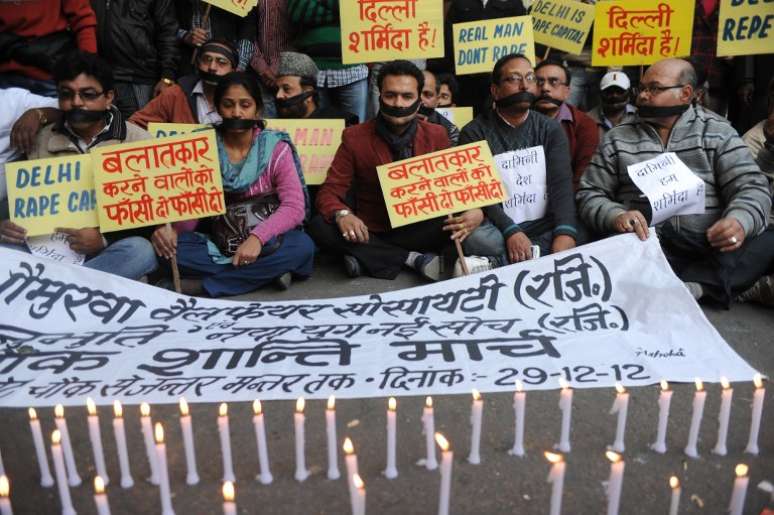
[583, 137]
[354, 165]
[174, 105]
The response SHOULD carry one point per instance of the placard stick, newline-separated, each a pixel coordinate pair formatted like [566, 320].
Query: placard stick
[175, 270]
[205, 18]
[458, 245]
[548, 51]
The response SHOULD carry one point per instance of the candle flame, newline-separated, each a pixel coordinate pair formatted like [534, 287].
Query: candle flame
[90, 406]
[5, 487]
[674, 482]
[56, 437]
[228, 491]
[442, 442]
[699, 384]
[476, 395]
[59, 411]
[117, 409]
[724, 383]
[348, 447]
[183, 407]
[553, 457]
[158, 433]
[358, 481]
[519, 385]
[300, 403]
[563, 383]
[619, 388]
[99, 485]
[392, 404]
[145, 409]
[614, 457]
[664, 385]
[331, 403]
[428, 402]
[257, 409]
[223, 410]
[758, 381]
[33, 414]
[741, 470]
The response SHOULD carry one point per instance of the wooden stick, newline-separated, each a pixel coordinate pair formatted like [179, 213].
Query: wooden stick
[205, 17]
[461, 255]
[548, 51]
[175, 270]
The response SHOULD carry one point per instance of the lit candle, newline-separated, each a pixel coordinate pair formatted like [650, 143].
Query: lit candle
[61, 475]
[186, 427]
[40, 450]
[723, 416]
[698, 410]
[519, 402]
[446, 472]
[350, 458]
[73, 479]
[428, 428]
[674, 503]
[123, 455]
[476, 411]
[391, 472]
[620, 406]
[330, 432]
[229, 506]
[2, 467]
[225, 443]
[664, 400]
[736, 506]
[147, 435]
[5, 491]
[565, 404]
[757, 410]
[615, 483]
[360, 495]
[265, 476]
[556, 478]
[161, 461]
[100, 498]
[298, 420]
[95, 436]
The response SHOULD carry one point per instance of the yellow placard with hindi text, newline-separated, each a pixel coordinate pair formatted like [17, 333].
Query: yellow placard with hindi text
[382, 30]
[479, 44]
[745, 27]
[638, 32]
[163, 130]
[316, 142]
[562, 24]
[157, 181]
[448, 181]
[238, 7]
[459, 116]
[44, 194]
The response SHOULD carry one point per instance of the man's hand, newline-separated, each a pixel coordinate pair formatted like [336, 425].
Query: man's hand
[248, 251]
[24, 131]
[632, 221]
[196, 37]
[562, 242]
[519, 247]
[86, 241]
[353, 229]
[461, 226]
[161, 86]
[268, 78]
[164, 241]
[726, 234]
[12, 233]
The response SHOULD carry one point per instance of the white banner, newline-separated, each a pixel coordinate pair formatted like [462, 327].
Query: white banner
[54, 246]
[671, 187]
[606, 312]
[524, 176]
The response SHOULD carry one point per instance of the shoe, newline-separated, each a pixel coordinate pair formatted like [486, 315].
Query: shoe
[475, 264]
[352, 266]
[762, 292]
[695, 290]
[429, 266]
[282, 282]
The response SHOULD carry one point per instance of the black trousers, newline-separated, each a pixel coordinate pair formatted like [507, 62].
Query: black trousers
[385, 253]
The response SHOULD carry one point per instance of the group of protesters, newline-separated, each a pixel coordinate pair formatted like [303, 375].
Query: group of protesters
[76, 75]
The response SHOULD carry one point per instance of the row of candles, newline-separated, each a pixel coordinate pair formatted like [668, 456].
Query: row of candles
[157, 455]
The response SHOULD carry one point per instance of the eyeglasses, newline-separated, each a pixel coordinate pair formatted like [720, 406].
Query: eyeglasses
[653, 90]
[220, 61]
[515, 77]
[87, 95]
[552, 81]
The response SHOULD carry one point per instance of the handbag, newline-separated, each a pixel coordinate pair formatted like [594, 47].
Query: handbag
[232, 228]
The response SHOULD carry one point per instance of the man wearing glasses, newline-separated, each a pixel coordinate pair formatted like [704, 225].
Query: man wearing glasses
[719, 253]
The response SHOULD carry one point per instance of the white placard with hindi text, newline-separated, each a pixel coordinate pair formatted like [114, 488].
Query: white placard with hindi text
[671, 187]
[523, 173]
[55, 246]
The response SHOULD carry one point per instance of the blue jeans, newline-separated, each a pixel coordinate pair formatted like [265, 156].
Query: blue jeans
[487, 240]
[352, 98]
[296, 255]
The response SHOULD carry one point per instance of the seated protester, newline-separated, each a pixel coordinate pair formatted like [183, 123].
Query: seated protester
[553, 89]
[719, 253]
[508, 126]
[191, 100]
[259, 239]
[297, 95]
[361, 231]
[85, 86]
[448, 90]
[430, 102]
[614, 108]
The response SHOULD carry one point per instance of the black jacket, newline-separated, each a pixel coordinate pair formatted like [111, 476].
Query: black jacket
[138, 38]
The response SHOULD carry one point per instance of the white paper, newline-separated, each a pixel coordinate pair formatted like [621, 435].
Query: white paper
[524, 176]
[55, 246]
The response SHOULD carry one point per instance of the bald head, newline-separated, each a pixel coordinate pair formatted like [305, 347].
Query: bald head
[679, 70]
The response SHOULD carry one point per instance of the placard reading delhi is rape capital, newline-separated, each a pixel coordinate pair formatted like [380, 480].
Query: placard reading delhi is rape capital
[479, 44]
[316, 142]
[746, 27]
[562, 24]
[158, 181]
[440, 183]
[163, 130]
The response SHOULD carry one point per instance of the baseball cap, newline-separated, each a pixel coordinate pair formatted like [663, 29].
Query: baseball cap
[616, 78]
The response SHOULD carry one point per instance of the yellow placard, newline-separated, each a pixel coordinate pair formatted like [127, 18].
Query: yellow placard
[562, 24]
[632, 32]
[437, 184]
[745, 27]
[382, 30]
[163, 130]
[459, 116]
[48, 193]
[316, 142]
[479, 44]
[238, 7]
[157, 181]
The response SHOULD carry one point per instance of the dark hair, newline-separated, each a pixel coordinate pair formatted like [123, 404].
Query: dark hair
[560, 64]
[451, 83]
[308, 81]
[502, 62]
[78, 62]
[435, 77]
[243, 79]
[401, 67]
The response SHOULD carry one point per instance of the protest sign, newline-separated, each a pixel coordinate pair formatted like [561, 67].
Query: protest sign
[444, 182]
[479, 44]
[459, 116]
[562, 24]
[48, 193]
[611, 311]
[238, 7]
[524, 178]
[158, 181]
[637, 32]
[745, 27]
[163, 130]
[381, 30]
[54, 246]
[316, 142]
[671, 187]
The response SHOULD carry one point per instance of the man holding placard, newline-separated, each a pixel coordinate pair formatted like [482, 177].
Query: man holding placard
[684, 170]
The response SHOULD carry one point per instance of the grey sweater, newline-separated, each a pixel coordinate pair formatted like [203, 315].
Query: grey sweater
[707, 144]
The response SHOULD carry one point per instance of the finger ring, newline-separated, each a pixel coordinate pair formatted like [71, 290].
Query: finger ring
[733, 240]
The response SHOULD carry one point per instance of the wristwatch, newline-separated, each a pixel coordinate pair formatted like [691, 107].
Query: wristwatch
[167, 81]
[341, 212]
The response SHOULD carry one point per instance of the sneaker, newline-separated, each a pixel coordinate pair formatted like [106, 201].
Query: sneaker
[695, 290]
[475, 264]
[762, 292]
[429, 266]
[282, 282]
[352, 266]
